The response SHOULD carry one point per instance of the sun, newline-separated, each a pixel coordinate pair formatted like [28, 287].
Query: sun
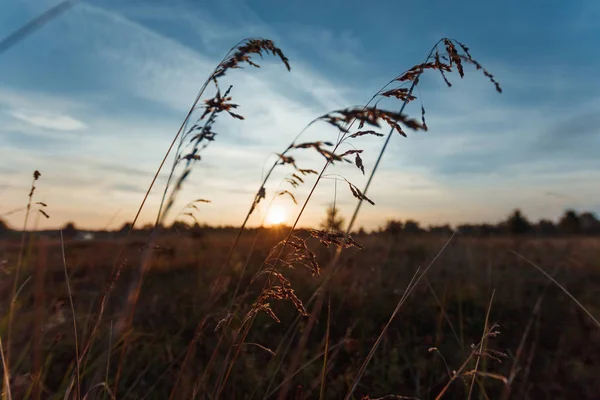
[276, 215]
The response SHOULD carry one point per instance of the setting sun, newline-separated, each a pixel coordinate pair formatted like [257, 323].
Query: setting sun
[276, 215]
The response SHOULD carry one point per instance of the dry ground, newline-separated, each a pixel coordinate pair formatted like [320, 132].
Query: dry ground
[559, 357]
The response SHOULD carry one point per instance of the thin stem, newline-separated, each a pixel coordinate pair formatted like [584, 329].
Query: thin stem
[116, 266]
[410, 288]
[136, 286]
[319, 177]
[77, 360]
[236, 291]
[481, 344]
[109, 353]
[159, 215]
[13, 301]
[385, 144]
[248, 214]
[456, 375]
[327, 333]
[547, 275]
[334, 262]
[254, 203]
[6, 380]
[302, 367]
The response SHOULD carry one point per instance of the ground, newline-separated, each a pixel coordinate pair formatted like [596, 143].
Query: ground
[549, 351]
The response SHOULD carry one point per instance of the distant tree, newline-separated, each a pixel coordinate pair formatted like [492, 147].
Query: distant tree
[569, 223]
[589, 224]
[441, 230]
[546, 227]
[412, 226]
[4, 229]
[179, 226]
[361, 231]
[501, 228]
[517, 224]
[393, 227]
[486, 230]
[198, 231]
[467, 229]
[125, 228]
[69, 230]
[333, 221]
[147, 227]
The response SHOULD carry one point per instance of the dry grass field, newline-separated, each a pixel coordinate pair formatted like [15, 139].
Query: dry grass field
[546, 347]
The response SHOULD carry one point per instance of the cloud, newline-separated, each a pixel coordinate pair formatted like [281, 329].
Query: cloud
[578, 133]
[129, 187]
[125, 141]
[484, 154]
[477, 134]
[48, 121]
[341, 50]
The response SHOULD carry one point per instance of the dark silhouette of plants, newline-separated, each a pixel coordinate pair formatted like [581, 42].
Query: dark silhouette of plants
[370, 118]
[517, 224]
[570, 223]
[333, 222]
[4, 228]
[69, 230]
[589, 224]
[393, 227]
[190, 143]
[412, 226]
[546, 227]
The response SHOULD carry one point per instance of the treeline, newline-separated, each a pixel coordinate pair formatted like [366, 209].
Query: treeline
[71, 231]
[516, 224]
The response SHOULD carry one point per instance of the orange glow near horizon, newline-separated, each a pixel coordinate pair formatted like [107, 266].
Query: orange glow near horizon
[276, 215]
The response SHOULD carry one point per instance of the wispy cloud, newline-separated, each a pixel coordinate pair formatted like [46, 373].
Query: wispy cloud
[164, 74]
[48, 121]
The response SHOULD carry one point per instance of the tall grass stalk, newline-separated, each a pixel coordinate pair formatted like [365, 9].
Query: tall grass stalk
[13, 301]
[39, 305]
[6, 381]
[74, 316]
[115, 272]
[561, 287]
[519, 353]
[418, 275]
[348, 119]
[412, 75]
[238, 54]
[332, 265]
[481, 345]
[232, 308]
[327, 333]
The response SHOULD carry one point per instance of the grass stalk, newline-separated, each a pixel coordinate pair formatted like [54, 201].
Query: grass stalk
[74, 316]
[561, 287]
[13, 301]
[481, 345]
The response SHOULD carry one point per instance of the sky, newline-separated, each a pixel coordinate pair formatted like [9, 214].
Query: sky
[94, 97]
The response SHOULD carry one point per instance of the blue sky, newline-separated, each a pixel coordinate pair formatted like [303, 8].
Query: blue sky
[94, 97]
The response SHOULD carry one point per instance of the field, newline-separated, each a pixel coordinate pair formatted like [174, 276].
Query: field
[546, 347]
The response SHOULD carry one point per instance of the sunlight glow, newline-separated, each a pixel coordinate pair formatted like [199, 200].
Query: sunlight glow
[276, 215]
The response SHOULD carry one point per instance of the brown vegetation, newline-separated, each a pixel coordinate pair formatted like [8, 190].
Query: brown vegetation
[551, 346]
